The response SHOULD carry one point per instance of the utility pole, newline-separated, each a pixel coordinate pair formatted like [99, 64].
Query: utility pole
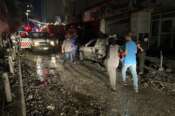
[45, 10]
[28, 11]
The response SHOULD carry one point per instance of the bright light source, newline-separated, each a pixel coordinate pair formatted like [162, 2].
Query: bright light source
[52, 43]
[45, 48]
[36, 44]
[28, 11]
[27, 14]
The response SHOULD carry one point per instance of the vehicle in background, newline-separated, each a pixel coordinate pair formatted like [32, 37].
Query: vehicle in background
[97, 49]
[94, 50]
[42, 42]
[24, 41]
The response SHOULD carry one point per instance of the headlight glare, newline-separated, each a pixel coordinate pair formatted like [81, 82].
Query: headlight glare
[36, 44]
[52, 43]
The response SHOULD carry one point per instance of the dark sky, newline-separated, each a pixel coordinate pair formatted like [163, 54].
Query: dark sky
[37, 7]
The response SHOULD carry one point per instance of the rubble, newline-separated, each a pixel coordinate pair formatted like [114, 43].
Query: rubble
[54, 99]
[10, 108]
[162, 81]
[57, 100]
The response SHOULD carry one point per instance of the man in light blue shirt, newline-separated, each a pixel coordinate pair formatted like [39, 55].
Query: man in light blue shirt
[129, 61]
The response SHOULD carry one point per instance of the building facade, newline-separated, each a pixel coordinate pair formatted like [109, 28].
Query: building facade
[154, 17]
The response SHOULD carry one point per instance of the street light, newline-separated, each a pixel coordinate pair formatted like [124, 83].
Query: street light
[28, 11]
[27, 14]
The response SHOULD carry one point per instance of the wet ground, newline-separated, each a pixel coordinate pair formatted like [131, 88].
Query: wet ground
[82, 89]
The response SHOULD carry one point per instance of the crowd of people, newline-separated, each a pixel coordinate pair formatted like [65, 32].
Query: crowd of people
[126, 55]
[129, 55]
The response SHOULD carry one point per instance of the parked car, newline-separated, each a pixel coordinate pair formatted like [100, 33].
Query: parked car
[94, 50]
[40, 41]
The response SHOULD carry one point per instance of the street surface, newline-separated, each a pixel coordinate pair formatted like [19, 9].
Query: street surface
[83, 89]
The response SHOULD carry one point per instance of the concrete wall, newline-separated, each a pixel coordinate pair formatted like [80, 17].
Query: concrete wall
[141, 22]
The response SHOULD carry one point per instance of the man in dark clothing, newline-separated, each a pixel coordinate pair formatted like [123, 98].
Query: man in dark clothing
[74, 47]
[142, 48]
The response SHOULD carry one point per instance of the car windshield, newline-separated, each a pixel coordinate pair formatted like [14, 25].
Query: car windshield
[38, 35]
[91, 43]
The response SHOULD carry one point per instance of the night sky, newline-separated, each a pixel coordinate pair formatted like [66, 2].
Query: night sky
[37, 7]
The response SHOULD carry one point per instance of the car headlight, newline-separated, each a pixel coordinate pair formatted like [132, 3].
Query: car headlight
[36, 44]
[52, 43]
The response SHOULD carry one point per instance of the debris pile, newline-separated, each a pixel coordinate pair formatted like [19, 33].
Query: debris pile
[10, 108]
[54, 99]
[162, 81]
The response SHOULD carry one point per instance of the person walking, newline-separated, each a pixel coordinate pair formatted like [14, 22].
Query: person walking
[129, 61]
[112, 64]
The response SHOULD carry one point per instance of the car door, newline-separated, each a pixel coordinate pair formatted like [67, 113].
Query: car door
[89, 49]
[100, 48]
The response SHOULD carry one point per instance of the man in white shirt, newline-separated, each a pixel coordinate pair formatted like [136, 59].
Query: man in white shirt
[67, 48]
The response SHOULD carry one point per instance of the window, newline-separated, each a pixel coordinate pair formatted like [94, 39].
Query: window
[165, 41]
[166, 26]
[92, 43]
[155, 28]
[153, 43]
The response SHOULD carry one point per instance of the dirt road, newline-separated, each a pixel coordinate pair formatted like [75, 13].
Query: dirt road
[83, 90]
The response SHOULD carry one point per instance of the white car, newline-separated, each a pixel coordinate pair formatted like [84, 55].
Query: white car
[94, 50]
[40, 41]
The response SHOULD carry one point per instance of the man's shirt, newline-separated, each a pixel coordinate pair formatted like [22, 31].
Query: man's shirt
[74, 41]
[131, 49]
[67, 45]
[113, 57]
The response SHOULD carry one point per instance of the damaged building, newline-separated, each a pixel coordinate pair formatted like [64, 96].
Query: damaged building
[155, 17]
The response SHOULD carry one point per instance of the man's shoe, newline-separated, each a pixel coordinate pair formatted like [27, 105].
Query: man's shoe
[125, 84]
[113, 89]
[136, 90]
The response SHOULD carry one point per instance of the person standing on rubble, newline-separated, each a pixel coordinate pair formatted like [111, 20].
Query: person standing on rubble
[129, 61]
[112, 63]
[142, 46]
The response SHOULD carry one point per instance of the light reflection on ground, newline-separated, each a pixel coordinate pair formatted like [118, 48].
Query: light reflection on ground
[44, 67]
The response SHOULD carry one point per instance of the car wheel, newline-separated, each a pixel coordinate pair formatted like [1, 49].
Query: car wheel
[81, 56]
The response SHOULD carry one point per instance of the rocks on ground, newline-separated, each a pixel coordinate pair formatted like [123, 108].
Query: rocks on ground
[162, 81]
[54, 99]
